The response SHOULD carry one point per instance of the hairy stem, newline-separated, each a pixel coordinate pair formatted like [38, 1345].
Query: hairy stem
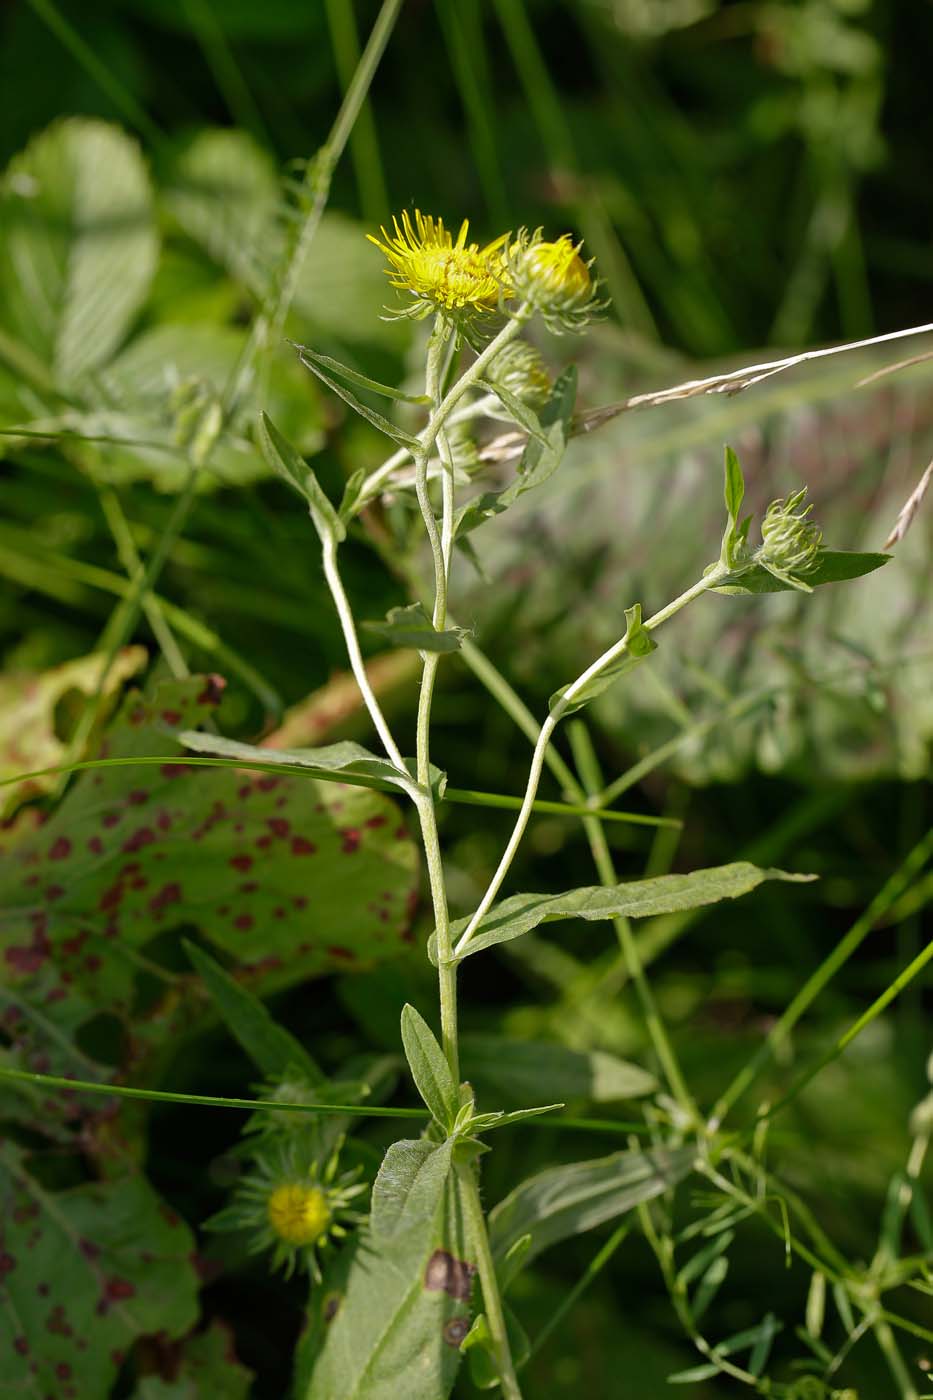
[492, 1301]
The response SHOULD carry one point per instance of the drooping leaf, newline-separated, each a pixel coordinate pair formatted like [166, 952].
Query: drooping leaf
[345, 761]
[639, 645]
[376, 420]
[832, 566]
[272, 1048]
[288, 876]
[78, 244]
[28, 706]
[577, 1196]
[205, 1366]
[390, 1321]
[83, 1273]
[352, 376]
[525, 1069]
[429, 1068]
[411, 627]
[635, 899]
[541, 458]
[285, 461]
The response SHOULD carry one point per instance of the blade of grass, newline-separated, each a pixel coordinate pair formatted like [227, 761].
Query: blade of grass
[463, 35]
[364, 142]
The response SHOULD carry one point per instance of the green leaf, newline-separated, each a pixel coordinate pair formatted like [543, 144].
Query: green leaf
[429, 1068]
[541, 458]
[285, 461]
[566, 1200]
[272, 1048]
[524, 1069]
[405, 1191]
[635, 899]
[204, 1365]
[87, 1271]
[389, 1320]
[411, 627]
[353, 376]
[735, 486]
[391, 430]
[78, 244]
[832, 566]
[519, 411]
[639, 645]
[288, 876]
[344, 762]
[351, 495]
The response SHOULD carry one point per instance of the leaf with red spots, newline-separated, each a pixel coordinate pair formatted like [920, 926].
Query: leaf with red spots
[204, 1365]
[83, 1274]
[288, 876]
[29, 703]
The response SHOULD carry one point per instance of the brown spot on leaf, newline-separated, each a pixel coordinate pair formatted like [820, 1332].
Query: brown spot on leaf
[331, 1306]
[446, 1274]
[301, 846]
[60, 848]
[455, 1330]
[213, 690]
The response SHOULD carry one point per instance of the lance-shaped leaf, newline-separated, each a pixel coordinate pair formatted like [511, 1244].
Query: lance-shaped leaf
[390, 1319]
[831, 566]
[396, 434]
[288, 876]
[84, 1273]
[344, 762]
[312, 360]
[639, 644]
[429, 1069]
[286, 463]
[577, 1196]
[272, 1048]
[411, 627]
[526, 1069]
[635, 899]
[542, 456]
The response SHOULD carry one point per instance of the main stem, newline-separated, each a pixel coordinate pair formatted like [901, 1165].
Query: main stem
[492, 1302]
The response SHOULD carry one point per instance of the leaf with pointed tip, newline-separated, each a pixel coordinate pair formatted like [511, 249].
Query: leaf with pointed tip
[286, 463]
[635, 899]
[566, 1200]
[411, 627]
[272, 1048]
[735, 485]
[832, 566]
[389, 1319]
[352, 376]
[429, 1068]
[639, 645]
[377, 420]
[343, 762]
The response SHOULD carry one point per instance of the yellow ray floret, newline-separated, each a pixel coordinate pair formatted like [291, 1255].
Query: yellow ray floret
[451, 276]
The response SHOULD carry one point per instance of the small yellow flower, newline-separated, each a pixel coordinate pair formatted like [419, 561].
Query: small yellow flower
[298, 1214]
[558, 269]
[552, 279]
[444, 275]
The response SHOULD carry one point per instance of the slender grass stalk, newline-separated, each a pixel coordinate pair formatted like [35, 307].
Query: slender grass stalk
[892, 889]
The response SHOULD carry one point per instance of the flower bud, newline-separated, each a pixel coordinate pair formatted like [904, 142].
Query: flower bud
[790, 541]
[553, 279]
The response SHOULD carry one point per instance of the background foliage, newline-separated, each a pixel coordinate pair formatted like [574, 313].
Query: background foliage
[747, 175]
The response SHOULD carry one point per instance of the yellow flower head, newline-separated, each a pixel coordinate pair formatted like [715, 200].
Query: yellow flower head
[444, 275]
[298, 1214]
[558, 269]
[552, 279]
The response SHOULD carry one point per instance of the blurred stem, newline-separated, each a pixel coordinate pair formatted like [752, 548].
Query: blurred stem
[224, 69]
[588, 768]
[364, 143]
[815, 983]
[572, 1297]
[463, 35]
[492, 1302]
[133, 565]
